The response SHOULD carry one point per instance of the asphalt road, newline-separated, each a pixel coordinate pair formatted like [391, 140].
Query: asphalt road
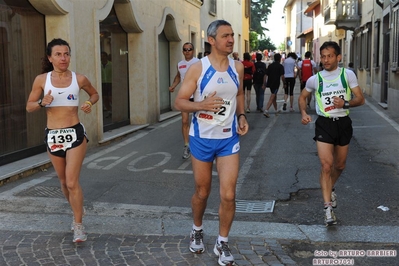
[278, 163]
[143, 176]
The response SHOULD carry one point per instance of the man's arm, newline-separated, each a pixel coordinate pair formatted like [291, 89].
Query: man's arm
[211, 103]
[300, 74]
[176, 81]
[314, 67]
[302, 106]
[242, 119]
[358, 99]
[264, 82]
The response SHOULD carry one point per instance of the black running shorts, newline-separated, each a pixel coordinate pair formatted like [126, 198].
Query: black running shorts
[59, 140]
[337, 131]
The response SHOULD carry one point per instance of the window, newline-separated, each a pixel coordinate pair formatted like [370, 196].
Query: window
[358, 51]
[395, 40]
[247, 8]
[22, 46]
[212, 7]
[366, 47]
[376, 50]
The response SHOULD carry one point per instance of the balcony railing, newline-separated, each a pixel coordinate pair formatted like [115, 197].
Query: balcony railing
[329, 15]
[348, 14]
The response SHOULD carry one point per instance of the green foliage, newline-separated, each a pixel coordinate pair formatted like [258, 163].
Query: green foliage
[281, 47]
[266, 44]
[260, 9]
[253, 40]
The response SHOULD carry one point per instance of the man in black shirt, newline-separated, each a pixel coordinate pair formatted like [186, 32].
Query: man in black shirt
[258, 81]
[274, 73]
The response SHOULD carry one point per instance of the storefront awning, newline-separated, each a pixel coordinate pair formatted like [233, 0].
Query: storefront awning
[304, 33]
[312, 6]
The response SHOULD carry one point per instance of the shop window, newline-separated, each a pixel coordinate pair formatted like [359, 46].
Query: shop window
[114, 73]
[395, 40]
[376, 50]
[22, 46]
[366, 48]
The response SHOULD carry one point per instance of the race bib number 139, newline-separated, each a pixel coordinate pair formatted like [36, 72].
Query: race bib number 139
[61, 139]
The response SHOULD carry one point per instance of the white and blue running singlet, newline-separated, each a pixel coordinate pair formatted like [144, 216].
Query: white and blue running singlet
[222, 124]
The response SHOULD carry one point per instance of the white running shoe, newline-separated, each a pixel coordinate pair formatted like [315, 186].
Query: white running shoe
[78, 233]
[329, 217]
[333, 199]
[186, 152]
[223, 251]
[197, 241]
[73, 219]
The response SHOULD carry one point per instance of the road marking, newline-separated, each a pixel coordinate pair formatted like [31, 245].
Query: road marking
[113, 148]
[184, 165]
[249, 160]
[131, 166]
[187, 172]
[383, 115]
[117, 159]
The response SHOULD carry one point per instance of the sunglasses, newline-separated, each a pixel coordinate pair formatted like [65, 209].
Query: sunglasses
[187, 49]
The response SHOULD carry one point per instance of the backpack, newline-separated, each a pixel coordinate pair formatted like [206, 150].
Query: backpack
[260, 72]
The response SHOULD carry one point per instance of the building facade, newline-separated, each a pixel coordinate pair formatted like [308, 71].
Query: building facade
[297, 26]
[141, 39]
[368, 33]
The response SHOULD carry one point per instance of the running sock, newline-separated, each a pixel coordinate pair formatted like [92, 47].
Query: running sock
[327, 204]
[224, 239]
[197, 228]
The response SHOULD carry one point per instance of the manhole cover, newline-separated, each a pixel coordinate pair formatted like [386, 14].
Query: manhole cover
[247, 206]
[41, 191]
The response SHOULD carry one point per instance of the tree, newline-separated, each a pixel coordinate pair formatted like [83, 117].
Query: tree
[260, 9]
[281, 47]
[266, 44]
[253, 40]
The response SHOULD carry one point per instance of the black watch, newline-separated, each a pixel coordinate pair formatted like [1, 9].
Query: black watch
[40, 103]
[346, 105]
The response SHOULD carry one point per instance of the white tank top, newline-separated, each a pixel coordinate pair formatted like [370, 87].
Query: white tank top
[68, 96]
[183, 66]
[223, 124]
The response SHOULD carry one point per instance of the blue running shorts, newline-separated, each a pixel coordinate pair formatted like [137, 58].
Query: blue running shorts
[207, 150]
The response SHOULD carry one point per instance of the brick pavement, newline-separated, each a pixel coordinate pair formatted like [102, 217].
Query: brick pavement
[56, 248]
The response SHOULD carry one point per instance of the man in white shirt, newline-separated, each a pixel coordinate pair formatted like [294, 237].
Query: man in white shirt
[182, 67]
[333, 88]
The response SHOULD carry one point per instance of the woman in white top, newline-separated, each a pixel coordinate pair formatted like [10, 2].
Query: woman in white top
[65, 136]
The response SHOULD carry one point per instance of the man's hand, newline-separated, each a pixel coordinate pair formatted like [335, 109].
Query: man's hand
[338, 102]
[212, 103]
[242, 125]
[306, 119]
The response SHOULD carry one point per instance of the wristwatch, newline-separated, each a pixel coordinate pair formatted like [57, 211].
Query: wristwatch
[40, 103]
[346, 105]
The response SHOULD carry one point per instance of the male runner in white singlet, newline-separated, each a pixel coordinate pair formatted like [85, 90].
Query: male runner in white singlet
[218, 120]
[332, 88]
